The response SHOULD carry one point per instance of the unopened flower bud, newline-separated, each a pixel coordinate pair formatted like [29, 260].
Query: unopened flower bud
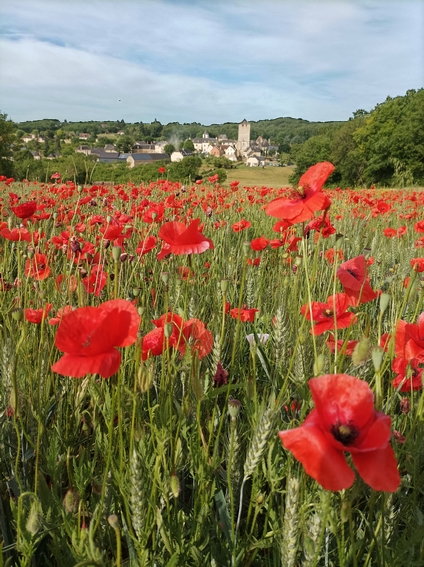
[224, 286]
[405, 405]
[246, 249]
[384, 302]
[116, 253]
[361, 351]
[34, 522]
[319, 364]
[113, 521]
[168, 328]
[165, 277]
[175, 485]
[17, 314]
[70, 502]
[234, 407]
[377, 357]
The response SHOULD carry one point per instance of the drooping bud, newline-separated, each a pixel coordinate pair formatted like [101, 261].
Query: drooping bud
[384, 302]
[234, 407]
[377, 357]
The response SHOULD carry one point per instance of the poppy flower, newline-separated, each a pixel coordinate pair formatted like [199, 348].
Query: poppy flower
[199, 336]
[245, 315]
[181, 239]
[95, 282]
[409, 339]
[60, 314]
[89, 336]
[154, 342]
[417, 264]
[146, 245]
[37, 267]
[37, 315]
[409, 374]
[304, 203]
[353, 277]
[330, 315]
[25, 210]
[259, 244]
[344, 421]
[241, 225]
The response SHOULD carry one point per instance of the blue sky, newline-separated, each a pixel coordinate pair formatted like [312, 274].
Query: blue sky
[206, 61]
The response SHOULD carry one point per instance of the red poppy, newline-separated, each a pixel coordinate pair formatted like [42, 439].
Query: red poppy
[342, 348]
[353, 277]
[409, 339]
[88, 337]
[146, 245]
[330, 315]
[199, 336]
[16, 234]
[154, 343]
[181, 239]
[37, 315]
[389, 232]
[25, 210]
[344, 420]
[417, 264]
[241, 225]
[154, 213]
[409, 374]
[60, 314]
[259, 244]
[36, 267]
[310, 199]
[96, 281]
[161, 169]
[245, 315]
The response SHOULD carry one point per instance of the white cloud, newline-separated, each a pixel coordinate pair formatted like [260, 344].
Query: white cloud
[206, 62]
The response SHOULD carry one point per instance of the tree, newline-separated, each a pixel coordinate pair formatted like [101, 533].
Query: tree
[7, 139]
[169, 149]
[185, 170]
[124, 143]
[188, 145]
[315, 149]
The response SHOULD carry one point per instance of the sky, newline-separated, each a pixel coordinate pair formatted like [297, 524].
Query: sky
[206, 61]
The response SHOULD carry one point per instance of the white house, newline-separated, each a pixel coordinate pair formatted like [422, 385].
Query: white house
[255, 161]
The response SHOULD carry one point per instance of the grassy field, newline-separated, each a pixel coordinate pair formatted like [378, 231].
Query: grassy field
[269, 176]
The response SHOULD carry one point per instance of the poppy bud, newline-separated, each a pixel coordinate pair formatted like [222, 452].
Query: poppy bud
[113, 521]
[135, 292]
[116, 253]
[168, 328]
[234, 407]
[224, 286]
[345, 511]
[246, 249]
[35, 518]
[30, 252]
[384, 302]
[123, 257]
[377, 357]
[361, 351]
[175, 485]
[17, 315]
[165, 277]
[75, 246]
[70, 502]
[319, 364]
[79, 188]
[405, 405]
[298, 261]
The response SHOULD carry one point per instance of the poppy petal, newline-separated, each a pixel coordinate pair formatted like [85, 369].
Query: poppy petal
[340, 398]
[124, 306]
[321, 460]
[105, 364]
[317, 175]
[378, 468]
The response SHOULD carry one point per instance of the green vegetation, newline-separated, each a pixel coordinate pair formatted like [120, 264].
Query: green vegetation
[383, 147]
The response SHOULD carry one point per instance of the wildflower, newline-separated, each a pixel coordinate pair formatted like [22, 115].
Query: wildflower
[308, 200]
[329, 315]
[37, 267]
[88, 337]
[353, 277]
[259, 244]
[241, 225]
[344, 420]
[409, 374]
[245, 315]
[181, 239]
[25, 210]
[37, 315]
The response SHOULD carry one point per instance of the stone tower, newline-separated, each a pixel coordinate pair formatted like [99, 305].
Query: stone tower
[243, 142]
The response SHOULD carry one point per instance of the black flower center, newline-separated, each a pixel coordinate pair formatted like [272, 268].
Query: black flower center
[328, 313]
[354, 274]
[346, 433]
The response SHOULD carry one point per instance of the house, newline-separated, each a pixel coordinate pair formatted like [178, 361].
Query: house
[35, 155]
[179, 155]
[230, 152]
[159, 146]
[255, 161]
[84, 136]
[110, 148]
[53, 156]
[204, 144]
[216, 151]
[83, 149]
[143, 147]
[134, 160]
[104, 156]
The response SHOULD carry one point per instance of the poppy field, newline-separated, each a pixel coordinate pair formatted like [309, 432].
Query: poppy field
[205, 375]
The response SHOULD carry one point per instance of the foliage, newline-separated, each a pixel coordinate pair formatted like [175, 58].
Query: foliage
[7, 139]
[169, 149]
